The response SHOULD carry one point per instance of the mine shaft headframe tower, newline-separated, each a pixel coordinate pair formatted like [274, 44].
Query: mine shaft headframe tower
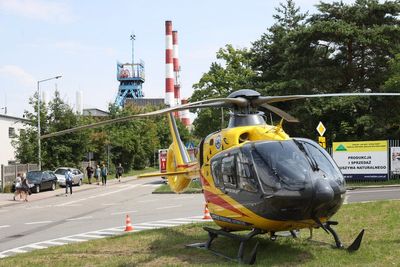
[131, 77]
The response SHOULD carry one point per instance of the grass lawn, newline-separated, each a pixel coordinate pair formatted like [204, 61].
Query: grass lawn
[166, 247]
[194, 187]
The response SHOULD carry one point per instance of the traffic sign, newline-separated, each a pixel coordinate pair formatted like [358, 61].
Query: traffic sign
[322, 141]
[321, 128]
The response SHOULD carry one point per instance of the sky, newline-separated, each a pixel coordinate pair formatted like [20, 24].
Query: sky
[83, 40]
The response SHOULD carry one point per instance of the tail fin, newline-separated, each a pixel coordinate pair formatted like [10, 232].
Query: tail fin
[181, 154]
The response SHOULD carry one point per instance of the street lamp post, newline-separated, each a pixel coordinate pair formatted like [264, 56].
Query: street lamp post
[38, 115]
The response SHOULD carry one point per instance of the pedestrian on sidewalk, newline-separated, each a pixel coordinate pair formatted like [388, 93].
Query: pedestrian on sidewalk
[18, 186]
[25, 187]
[97, 173]
[118, 172]
[104, 173]
[68, 182]
[89, 173]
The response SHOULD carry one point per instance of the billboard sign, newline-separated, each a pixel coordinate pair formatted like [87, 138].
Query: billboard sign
[395, 160]
[364, 160]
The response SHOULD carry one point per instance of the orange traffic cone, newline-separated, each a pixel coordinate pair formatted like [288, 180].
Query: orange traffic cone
[206, 213]
[128, 224]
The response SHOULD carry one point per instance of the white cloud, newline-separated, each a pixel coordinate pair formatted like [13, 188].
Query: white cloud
[17, 73]
[37, 9]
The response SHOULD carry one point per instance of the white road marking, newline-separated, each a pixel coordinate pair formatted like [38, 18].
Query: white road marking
[157, 224]
[4, 226]
[124, 212]
[80, 218]
[102, 233]
[36, 246]
[346, 200]
[143, 227]
[116, 229]
[40, 222]
[150, 185]
[17, 250]
[150, 200]
[54, 243]
[109, 204]
[172, 222]
[90, 236]
[169, 207]
[72, 239]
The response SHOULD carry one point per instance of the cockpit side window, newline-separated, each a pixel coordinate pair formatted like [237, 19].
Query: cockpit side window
[245, 172]
[217, 172]
[229, 171]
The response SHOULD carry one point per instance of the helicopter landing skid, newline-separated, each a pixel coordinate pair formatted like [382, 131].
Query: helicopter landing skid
[353, 247]
[213, 233]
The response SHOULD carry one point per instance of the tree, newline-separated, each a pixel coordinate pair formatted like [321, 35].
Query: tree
[26, 144]
[233, 73]
[134, 143]
[66, 150]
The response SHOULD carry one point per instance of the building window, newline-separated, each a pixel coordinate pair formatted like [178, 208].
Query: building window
[11, 132]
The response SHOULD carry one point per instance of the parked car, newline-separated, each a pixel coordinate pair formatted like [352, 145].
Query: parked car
[41, 180]
[77, 176]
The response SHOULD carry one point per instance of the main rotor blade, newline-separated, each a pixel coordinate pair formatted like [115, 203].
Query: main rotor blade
[274, 99]
[280, 112]
[217, 102]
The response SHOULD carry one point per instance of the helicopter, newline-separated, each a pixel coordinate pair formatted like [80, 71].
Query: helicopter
[254, 176]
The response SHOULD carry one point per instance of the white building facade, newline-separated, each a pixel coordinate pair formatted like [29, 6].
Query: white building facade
[9, 127]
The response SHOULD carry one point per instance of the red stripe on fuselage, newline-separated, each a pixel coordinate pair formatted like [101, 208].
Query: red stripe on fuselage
[215, 199]
[204, 182]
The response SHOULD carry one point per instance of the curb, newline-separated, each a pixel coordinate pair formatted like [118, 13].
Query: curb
[372, 186]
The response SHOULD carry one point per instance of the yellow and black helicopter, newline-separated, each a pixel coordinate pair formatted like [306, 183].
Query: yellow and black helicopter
[254, 176]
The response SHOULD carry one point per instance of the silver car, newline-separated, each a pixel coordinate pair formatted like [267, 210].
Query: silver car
[77, 176]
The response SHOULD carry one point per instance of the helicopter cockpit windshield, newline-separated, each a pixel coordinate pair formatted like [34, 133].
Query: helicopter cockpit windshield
[280, 164]
[270, 166]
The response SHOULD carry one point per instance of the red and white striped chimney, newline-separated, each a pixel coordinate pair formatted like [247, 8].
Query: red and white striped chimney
[185, 117]
[169, 72]
[175, 55]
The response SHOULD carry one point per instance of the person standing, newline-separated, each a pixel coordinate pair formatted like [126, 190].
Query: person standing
[97, 173]
[89, 173]
[104, 173]
[25, 187]
[18, 186]
[118, 172]
[68, 182]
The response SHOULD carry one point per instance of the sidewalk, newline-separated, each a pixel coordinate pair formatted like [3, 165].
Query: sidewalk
[6, 199]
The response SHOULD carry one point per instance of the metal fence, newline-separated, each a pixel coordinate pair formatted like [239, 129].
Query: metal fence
[9, 172]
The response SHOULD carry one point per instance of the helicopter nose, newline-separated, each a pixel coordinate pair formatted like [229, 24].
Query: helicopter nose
[323, 193]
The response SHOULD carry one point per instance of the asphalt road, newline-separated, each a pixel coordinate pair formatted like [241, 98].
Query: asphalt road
[372, 194]
[100, 208]
[106, 207]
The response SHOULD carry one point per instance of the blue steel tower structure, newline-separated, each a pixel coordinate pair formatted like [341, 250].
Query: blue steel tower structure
[131, 79]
